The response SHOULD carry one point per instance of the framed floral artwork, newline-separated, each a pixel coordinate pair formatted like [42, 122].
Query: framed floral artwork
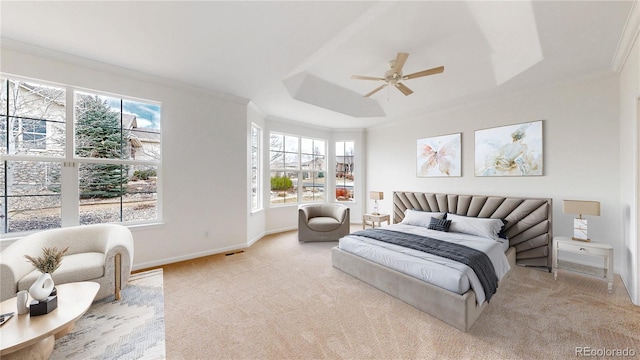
[439, 156]
[512, 150]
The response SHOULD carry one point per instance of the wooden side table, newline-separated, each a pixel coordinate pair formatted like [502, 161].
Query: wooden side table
[33, 337]
[373, 219]
[592, 248]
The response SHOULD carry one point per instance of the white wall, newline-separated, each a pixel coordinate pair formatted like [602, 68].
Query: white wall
[581, 152]
[204, 137]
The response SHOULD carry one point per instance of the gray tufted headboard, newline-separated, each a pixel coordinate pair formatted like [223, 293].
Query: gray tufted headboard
[528, 219]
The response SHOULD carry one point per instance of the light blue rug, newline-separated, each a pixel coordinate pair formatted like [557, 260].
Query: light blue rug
[132, 328]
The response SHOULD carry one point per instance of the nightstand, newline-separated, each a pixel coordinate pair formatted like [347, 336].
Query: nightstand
[370, 218]
[592, 248]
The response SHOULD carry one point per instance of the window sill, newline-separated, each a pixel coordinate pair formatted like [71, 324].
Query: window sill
[7, 239]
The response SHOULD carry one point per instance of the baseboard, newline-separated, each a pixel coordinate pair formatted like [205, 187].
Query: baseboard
[255, 239]
[276, 231]
[152, 264]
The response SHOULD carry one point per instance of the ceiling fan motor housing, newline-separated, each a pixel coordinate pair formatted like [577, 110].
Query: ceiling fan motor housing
[392, 77]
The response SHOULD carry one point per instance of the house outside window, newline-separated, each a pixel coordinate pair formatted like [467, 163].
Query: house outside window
[298, 169]
[40, 163]
[345, 170]
[256, 197]
[34, 133]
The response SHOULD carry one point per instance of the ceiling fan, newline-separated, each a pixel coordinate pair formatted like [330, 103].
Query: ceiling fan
[394, 76]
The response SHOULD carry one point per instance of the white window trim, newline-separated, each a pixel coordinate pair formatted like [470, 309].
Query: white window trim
[299, 170]
[352, 200]
[259, 183]
[70, 199]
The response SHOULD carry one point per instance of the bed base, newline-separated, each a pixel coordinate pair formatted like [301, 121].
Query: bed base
[460, 311]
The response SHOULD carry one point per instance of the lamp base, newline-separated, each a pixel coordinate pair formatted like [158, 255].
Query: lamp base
[580, 230]
[578, 239]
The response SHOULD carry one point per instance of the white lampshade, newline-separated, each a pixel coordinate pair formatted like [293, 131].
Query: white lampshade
[581, 207]
[376, 195]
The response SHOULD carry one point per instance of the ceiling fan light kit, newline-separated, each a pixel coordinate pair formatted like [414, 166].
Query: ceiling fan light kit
[394, 75]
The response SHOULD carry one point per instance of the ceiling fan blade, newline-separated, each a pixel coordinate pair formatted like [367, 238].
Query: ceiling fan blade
[359, 77]
[376, 90]
[399, 63]
[436, 70]
[404, 89]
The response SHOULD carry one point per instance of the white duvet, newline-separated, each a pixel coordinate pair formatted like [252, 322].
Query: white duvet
[445, 273]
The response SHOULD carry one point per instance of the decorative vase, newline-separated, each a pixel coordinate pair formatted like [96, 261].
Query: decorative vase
[41, 289]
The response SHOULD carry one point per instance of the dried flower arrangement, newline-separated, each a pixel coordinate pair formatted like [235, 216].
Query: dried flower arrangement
[49, 261]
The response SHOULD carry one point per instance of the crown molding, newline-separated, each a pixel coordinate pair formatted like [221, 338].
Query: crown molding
[627, 39]
[33, 50]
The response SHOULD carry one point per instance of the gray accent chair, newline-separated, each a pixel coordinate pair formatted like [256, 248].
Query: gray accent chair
[322, 222]
[101, 253]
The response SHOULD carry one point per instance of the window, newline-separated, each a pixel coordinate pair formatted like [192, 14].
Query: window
[34, 133]
[344, 170]
[29, 112]
[120, 187]
[298, 169]
[31, 163]
[256, 198]
[41, 159]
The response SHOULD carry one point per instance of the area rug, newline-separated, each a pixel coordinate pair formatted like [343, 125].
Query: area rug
[132, 328]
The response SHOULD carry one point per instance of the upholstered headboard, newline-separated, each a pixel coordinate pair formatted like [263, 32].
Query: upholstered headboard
[528, 219]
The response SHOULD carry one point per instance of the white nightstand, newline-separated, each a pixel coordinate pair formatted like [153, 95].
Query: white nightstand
[592, 248]
[379, 218]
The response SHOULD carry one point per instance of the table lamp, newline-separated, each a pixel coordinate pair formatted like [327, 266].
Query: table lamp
[580, 207]
[376, 195]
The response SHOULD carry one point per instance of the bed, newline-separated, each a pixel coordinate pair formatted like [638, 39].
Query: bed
[525, 239]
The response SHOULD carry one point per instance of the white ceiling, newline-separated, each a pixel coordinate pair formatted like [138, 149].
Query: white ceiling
[294, 59]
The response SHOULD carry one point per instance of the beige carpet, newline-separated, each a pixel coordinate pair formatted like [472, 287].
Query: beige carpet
[283, 300]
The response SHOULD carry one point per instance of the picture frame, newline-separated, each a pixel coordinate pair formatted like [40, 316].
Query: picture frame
[511, 150]
[439, 156]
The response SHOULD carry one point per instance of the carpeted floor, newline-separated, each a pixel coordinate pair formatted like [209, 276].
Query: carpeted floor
[283, 300]
[132, 328]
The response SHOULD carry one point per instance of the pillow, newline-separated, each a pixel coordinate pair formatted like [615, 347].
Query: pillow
[503, 231]
[440, 224]
[484, 227]
[420, 218]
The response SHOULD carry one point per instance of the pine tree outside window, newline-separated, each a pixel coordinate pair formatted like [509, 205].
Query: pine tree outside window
[114, 185]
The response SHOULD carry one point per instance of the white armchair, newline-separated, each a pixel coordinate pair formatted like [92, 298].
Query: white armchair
[322, 222]
[102, 253]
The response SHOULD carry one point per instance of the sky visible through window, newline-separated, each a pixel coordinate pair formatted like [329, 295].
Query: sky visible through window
[147, 115]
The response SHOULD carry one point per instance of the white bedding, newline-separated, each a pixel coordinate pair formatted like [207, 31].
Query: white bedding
[445, 273]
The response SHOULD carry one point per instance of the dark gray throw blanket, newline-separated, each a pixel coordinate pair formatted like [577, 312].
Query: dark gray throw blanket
[478, 261]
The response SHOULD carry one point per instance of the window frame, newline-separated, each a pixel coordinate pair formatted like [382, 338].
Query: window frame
[352, 199]
[38, 139]
[255, 168]
[69, 161]
[299, 168]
